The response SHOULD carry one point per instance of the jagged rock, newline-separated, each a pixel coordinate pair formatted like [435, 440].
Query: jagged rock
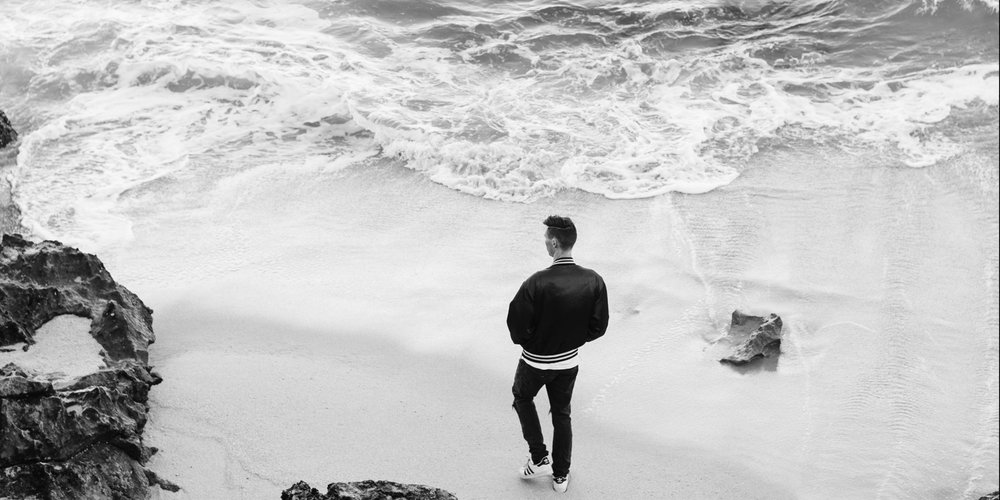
[14, 382]
[992, 496]
[7, 132]
[302, 491]
[752, 337]
[366, 490]
[73, 437]
[41, 281]
[100, 471]
[107, 406]
[10, 214]
[155, 480]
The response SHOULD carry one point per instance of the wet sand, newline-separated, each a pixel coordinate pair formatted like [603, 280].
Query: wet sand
[263, 405]
[348, 325]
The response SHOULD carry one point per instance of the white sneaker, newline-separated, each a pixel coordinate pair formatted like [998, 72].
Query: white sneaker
[560, 483]
[542, 468]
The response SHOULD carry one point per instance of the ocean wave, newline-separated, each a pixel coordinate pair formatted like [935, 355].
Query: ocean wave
[732, 79]
[511, 101]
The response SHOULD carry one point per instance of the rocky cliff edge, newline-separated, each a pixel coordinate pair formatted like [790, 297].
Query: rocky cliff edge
[79, 436]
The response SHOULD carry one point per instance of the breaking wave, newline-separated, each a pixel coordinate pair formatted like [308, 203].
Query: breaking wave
[505, 101]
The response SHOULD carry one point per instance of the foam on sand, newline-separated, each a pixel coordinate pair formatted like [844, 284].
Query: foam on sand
[136, 97]
[63, 350]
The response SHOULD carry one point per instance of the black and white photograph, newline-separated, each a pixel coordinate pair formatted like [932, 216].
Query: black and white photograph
[499, 249]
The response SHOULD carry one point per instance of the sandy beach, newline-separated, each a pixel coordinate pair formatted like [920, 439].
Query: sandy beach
[322, 356]
[264, 405]
[329, 206]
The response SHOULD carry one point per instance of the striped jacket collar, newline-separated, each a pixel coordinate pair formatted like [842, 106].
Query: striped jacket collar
[563, 261]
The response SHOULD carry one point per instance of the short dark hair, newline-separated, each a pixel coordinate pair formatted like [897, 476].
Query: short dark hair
[562, 229]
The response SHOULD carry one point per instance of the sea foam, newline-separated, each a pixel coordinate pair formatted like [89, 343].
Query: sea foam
[514, 103]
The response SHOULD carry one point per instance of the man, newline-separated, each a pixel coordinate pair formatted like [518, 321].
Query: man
[556, 311]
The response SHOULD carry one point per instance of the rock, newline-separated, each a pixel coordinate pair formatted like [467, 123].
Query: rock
[41, 281]
[366, 490]
[992, 496]
[10, 214]
[100, 471]
[109, 407]
[752, 337]
[18, 384]
[73, 437]
[302, 491]
[159, 481]
[7, 133]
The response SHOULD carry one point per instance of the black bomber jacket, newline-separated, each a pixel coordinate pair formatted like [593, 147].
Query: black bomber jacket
[558, 309]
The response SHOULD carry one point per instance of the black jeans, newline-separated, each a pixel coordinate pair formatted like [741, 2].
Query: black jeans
[559, 386]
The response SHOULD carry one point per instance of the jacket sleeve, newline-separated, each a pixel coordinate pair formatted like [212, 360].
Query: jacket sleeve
[599, 319]
[520, 315]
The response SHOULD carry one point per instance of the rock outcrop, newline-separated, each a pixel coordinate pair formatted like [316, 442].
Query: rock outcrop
[366, 490]
[7, 133]
[41, 281]
[81, 437]
[10, 215]
[752, 337]
[992, 496]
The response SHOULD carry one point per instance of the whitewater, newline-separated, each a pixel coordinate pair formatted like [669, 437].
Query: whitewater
[329, 205]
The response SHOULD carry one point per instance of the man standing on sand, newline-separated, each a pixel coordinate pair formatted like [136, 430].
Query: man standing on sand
[556, 310]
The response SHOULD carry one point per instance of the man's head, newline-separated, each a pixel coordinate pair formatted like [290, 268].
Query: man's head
[560, 234]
